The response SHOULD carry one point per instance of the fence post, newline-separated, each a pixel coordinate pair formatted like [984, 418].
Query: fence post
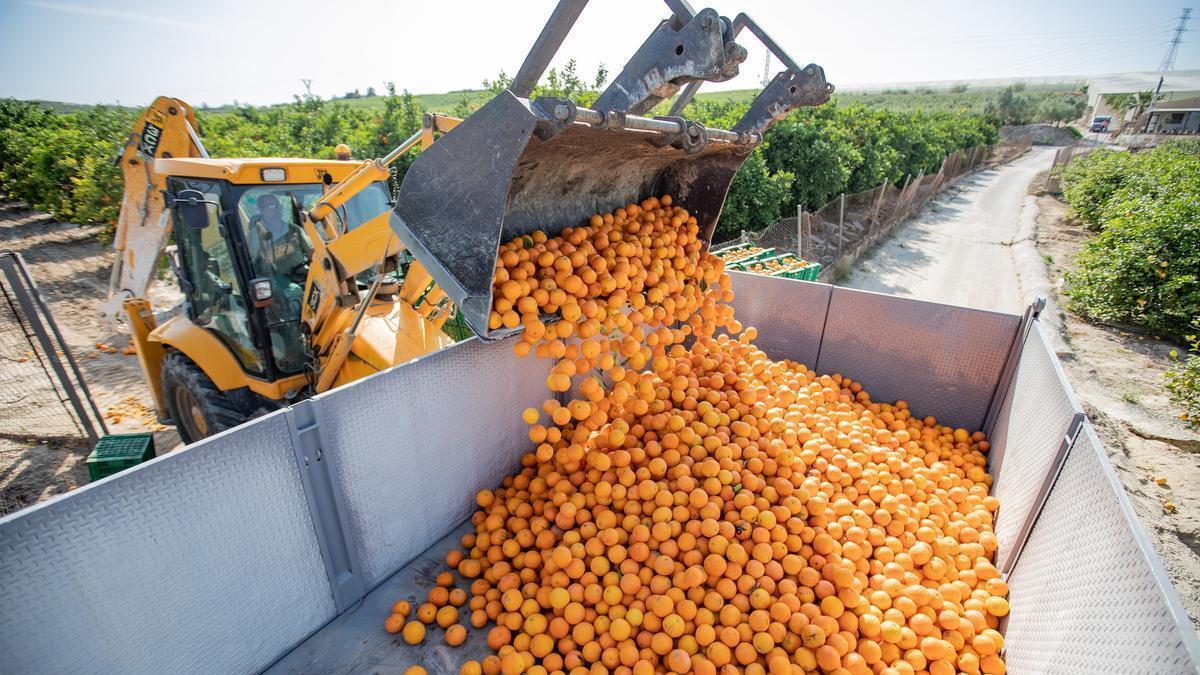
[806, 219]
[841, 221]
[913, 196]
[30, 301]
[800, 231]
[900, 198]
[878, 202]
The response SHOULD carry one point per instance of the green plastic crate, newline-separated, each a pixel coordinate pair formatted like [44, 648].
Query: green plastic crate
[761, 255]
[117, 452]
[457, 328]
[811, 272]
[808, 272]
[729, 249]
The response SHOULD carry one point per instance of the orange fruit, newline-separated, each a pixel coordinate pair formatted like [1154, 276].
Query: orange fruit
[447, 616]
[413, 633]
[686, 503]
[393, 623]
[455, 635]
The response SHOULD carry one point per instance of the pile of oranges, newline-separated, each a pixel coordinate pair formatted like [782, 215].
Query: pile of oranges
[704, 508]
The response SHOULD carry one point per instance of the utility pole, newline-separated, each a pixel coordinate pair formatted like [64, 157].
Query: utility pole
[307, 88]
[766, 78]
[1168, 62]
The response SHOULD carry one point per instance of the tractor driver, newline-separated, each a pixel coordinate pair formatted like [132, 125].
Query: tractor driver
[280, 251]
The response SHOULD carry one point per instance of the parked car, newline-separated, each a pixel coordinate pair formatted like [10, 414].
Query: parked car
[1100, 123]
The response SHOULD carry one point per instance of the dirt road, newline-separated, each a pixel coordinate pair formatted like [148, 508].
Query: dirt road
[959, 250]
[989, 243]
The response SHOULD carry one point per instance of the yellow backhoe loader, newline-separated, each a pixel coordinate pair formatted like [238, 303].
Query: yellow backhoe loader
[278, 307]
[293, 280]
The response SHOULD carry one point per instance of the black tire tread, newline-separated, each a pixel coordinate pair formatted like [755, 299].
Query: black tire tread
[221, 409]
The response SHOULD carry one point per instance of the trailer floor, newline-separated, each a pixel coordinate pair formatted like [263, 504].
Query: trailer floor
[356, 642]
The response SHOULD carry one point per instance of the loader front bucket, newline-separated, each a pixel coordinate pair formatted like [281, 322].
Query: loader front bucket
[516, 166]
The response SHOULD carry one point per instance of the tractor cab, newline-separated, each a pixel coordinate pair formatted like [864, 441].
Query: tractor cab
[243, 255]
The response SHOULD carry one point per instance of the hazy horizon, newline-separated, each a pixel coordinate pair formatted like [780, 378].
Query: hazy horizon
[128, 51]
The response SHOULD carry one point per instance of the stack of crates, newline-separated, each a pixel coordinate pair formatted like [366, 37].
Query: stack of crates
[457, 328]
[742, 253]
[117, 452]
[786, 265]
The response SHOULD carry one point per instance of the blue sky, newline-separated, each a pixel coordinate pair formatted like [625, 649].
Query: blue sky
[218, 51]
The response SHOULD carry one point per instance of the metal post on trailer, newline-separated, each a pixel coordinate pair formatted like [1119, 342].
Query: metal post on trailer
[1031, 314]
[31, 303]
[314, 458]
[1039, 502]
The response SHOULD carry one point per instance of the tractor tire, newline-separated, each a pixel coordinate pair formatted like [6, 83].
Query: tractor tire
[196, 406]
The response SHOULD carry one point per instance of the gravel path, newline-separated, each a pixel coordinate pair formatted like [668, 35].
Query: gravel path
[959, 250]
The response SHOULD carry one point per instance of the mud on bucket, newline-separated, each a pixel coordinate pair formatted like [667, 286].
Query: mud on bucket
[517, 166]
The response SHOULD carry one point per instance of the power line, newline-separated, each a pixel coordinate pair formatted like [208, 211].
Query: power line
[1168, 62]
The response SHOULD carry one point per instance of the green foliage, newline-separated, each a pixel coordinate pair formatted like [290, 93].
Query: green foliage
[834, 149]
[756, 198]
[1144, 266]
[1012, 106]
[1057, 109]
[61, 162]
[1183, 381]
[1089, 182]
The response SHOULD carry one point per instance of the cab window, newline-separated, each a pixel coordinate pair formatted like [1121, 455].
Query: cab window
[216, 301]
[279, 250]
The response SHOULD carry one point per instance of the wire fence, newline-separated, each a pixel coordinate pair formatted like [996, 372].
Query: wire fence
[1063, 157]
[40, 399]
[848, 225]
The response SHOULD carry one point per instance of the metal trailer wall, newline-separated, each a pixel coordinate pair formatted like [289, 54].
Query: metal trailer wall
[223, 556]
[199, 561]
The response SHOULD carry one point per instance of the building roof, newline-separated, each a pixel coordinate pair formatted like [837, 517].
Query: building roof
[1179, 104]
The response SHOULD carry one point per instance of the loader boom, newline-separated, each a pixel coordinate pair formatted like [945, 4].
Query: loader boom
[167, 129]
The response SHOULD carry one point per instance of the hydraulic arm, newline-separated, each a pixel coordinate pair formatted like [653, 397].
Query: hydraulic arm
[167, 129]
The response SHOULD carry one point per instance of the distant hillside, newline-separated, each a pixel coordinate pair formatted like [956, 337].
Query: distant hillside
[952, 98]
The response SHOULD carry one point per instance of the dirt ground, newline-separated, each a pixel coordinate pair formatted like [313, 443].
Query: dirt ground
[71, 269]
[1117, 374]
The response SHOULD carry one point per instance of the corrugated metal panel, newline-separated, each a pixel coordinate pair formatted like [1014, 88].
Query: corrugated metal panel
[1088, 594]
[944, 361]
[201, 561]
[416, 442]
[789, 315]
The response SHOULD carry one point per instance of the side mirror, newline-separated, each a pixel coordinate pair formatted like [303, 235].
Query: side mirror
[262, 292]
[194, 210]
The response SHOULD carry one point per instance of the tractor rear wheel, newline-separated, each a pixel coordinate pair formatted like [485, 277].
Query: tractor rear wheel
[197, 407]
